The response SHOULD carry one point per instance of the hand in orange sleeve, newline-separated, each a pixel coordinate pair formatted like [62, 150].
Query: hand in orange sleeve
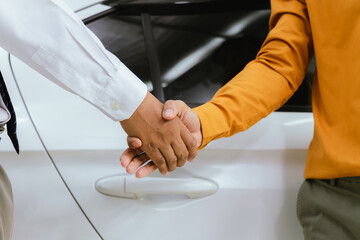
[133, 157]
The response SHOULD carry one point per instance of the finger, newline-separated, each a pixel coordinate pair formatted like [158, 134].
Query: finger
[190, 143]
[133, 142]
[136, 163]
[181, 152]
[146, 170]
[159, 160]
[170, 110]
[170, 157]
[127, 156]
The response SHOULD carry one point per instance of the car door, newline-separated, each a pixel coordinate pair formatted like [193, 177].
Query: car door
[242, 187]
[44, 207]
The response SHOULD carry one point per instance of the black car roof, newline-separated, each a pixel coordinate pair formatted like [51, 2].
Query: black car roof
[164, 7]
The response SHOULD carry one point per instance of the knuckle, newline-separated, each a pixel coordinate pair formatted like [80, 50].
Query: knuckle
[183, 156]
[159, 162]
[172, 162]
[161, 165]
[181, 163]
[172, 168]
[162, 169]
[193, 144]
[178, 101]
[193, 154]
[169, 102]
[151, 146]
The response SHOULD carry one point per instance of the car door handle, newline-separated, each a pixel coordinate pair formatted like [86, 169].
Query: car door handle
[125, 186]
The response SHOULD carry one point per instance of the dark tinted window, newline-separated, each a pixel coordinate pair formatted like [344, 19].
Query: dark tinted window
[123, 36]
[197, 53]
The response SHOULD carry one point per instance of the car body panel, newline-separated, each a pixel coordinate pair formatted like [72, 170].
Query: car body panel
[256, 198]
[44, 208]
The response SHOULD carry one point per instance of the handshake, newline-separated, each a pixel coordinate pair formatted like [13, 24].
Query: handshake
[169, 134]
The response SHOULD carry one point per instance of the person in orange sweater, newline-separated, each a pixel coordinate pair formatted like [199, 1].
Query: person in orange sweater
[330, 196]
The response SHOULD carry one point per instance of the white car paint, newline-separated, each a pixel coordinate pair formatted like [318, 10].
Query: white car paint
[42, 202]
[257, 172]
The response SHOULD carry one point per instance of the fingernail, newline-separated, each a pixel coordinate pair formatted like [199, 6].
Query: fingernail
[168, 112]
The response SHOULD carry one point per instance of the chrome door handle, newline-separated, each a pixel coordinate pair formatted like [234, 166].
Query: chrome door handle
[125, 186]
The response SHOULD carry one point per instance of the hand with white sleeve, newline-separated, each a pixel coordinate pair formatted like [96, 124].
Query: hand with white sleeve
[132, 158]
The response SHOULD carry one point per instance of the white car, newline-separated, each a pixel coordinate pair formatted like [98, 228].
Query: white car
[68, 183]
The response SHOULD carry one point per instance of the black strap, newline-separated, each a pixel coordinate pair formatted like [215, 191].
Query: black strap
[11, 125]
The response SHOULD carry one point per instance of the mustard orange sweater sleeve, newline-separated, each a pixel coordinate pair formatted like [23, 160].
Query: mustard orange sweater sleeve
[267, 82]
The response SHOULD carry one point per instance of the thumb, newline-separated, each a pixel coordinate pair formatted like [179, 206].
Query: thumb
[133, 142]
[170, 110]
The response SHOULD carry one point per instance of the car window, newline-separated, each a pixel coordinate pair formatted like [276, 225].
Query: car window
[197, 53]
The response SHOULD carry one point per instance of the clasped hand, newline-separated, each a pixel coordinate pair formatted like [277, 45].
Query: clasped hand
[167, 134]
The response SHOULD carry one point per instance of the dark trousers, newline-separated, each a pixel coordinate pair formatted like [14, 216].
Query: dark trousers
[330, 209]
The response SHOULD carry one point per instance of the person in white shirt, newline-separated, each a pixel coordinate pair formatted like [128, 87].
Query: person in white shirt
[49, 37]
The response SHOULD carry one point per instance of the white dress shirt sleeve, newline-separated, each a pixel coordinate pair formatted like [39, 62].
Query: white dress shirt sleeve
[49, 37]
